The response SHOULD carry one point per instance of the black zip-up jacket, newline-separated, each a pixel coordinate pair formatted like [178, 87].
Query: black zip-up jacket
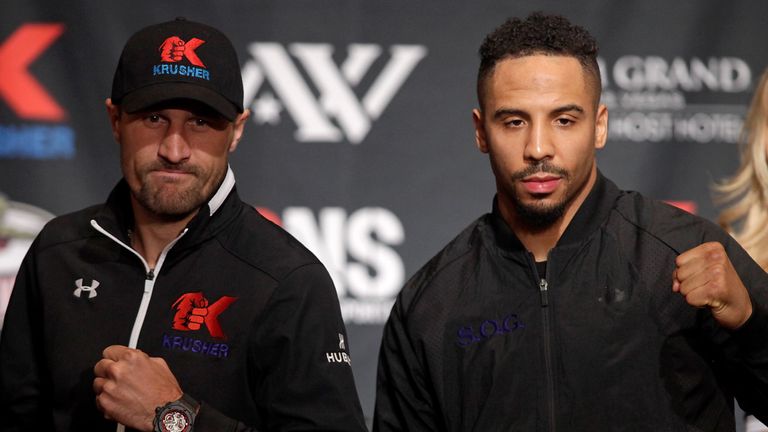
[478, 341]
[271, 353]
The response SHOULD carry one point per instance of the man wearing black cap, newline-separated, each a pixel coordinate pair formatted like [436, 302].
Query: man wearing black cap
[174, 305]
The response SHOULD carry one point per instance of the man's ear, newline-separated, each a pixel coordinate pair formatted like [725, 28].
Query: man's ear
[480, 136]
[239, 124]
[113, 112]
[601, 126]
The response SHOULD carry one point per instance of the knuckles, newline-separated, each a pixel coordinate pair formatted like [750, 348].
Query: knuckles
[113, 370]
[130, 356]
[160, 361]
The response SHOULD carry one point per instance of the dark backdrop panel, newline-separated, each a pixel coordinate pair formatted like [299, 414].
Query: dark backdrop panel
[361, 141]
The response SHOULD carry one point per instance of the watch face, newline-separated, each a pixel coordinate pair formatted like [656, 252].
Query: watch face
[175, 420]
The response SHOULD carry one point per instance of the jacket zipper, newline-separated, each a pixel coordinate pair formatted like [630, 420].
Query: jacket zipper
[543, 287]
[547, 336]
[149, 285]
[149, 280]
[548, 361]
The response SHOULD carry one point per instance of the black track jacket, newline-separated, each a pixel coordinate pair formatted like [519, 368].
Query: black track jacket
[478, 341]
[271, 353]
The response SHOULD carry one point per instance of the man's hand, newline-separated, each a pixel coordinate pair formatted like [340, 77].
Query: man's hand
[129, 385]
[706, 278]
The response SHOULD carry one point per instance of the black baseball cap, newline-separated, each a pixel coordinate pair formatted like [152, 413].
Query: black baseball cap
[179, 59]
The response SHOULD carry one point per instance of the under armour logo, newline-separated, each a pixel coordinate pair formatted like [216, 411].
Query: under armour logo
[342, 346]
[337, 101]
[91, 290]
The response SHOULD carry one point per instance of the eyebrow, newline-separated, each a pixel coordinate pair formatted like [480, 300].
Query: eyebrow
[503, 112]
[568, 108]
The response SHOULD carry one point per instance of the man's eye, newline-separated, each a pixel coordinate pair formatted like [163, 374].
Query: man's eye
[564, 121]
[514, 122]
[153, 119]
[199, 123]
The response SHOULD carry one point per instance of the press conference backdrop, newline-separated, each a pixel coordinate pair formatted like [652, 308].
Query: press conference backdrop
[361, 142]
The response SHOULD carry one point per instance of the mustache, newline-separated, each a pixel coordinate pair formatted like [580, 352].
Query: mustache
[184, 167]
[541, 167]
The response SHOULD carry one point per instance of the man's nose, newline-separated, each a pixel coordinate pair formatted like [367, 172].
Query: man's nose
[539, 144]
[174, 147]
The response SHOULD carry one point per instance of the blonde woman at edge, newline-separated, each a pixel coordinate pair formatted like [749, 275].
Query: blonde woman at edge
[746, 193]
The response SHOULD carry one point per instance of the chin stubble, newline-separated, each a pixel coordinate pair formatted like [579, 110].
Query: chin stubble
[539, 216]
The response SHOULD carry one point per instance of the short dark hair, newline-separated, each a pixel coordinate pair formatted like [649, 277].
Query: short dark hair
[538, 34]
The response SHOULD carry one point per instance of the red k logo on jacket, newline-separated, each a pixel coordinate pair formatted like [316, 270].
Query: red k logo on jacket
[193, 311]
[174, 49]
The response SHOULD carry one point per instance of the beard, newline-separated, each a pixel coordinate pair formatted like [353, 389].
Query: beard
[539, 215]
[171, 200]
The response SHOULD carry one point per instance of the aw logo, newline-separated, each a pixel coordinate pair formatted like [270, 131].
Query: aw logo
[29, 100]
[193, 311]
[337, 112]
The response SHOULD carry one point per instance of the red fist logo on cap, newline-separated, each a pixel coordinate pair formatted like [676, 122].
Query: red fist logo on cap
[172, 49]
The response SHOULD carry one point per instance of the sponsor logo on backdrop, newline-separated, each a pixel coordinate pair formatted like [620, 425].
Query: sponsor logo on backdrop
[328, 105]
[358, 249]
[38, 130]
[689, 206]
[19, 224]
[658, 99]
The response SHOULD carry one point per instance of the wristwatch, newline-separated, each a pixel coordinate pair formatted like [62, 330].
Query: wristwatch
[176, 416]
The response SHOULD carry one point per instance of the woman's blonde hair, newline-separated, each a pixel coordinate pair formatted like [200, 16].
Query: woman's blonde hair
[746, 193]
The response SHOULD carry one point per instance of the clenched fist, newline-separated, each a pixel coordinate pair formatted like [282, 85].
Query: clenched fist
[129, 385]
[706, 278]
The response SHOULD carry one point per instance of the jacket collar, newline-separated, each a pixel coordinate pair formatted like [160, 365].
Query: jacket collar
[222, 193]
[590, 216]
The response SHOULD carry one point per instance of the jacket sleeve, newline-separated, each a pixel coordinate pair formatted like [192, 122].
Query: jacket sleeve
[403, 401]
[300, 362]
[746, 348]
[749, 352]
[210, 419]
[24, 405]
